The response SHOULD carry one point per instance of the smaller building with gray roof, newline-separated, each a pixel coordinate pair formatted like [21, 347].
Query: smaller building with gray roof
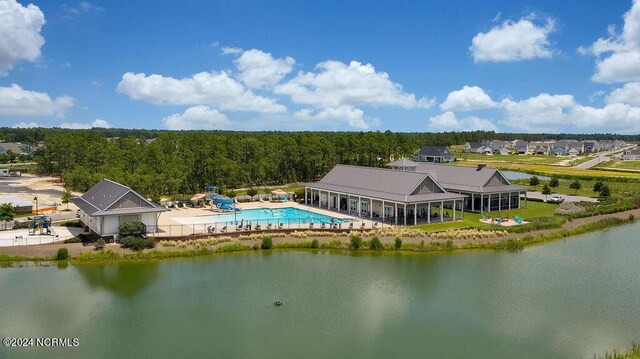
[108, 204]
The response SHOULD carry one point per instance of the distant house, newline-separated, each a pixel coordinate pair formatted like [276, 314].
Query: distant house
[485, 150]
[559, 151]
[475, 147]
[435, 154]
[591, 146]
[631, 155]
[11, 146]
[541, 150]
[521, 147]
[21, 206]
[109, 204]
[498, 145]
[503, 151]
[574, 151]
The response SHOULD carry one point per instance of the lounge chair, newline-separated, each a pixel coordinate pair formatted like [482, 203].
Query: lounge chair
[323, 225]
[484, 216]
[224, 229]
[281, 226]
[351, 225]
[269, 226]
[375, 225]
[258, 227]
[310, 225]
[362, 225]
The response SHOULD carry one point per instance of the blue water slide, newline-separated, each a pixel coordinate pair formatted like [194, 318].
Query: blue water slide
[228, 207]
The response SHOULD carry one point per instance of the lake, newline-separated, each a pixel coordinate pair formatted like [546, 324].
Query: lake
[515, 175]
[567, 299]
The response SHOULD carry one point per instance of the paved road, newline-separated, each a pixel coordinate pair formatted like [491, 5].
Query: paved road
[602, 157]
[567, 198]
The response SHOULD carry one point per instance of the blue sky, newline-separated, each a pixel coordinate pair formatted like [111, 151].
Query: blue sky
[509, 66]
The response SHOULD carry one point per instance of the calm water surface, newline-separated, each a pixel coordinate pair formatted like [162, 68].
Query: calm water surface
[567, 299]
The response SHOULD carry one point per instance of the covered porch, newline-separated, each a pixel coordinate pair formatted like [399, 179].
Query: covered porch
[499, 201]
[410, 212]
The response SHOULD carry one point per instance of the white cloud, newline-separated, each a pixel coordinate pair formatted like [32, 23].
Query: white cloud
[259, 69]
[99, 123]
[27, 125]
[231, 50]
[353, 116]
[469, 98]
[204, 88]
[618, 56]
[20, 37]
[335, 84]
[514, 41]
[615, 117]
[197, 118]
[629, 94]
[17, 102]
[543, 112]
[83, 7]
[449, 122]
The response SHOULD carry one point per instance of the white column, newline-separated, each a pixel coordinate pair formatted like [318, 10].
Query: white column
[509, 200]
[499, 201]
[338, 194]
[371, 208]
[405, 214]
[489, 203]
[328, 200]
[482, 203]
[415, 214]
[441, 211]
[359, 210]
[305, 195]
[454, 209]
[429, 214]
[473, 197]
[383, 211]
[395, 214]
[462, 210]
[349, 203]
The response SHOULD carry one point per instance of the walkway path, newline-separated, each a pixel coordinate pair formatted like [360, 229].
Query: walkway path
[567, 198]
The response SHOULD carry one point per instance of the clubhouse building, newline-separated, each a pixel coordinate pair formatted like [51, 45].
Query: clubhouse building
[409, 192]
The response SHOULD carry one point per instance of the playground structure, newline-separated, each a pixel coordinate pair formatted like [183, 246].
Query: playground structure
[220, 202]
[41, 225]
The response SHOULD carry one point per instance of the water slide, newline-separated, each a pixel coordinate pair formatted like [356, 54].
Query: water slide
[225, 203]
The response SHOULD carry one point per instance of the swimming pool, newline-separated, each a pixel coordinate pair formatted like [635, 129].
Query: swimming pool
[264, 216]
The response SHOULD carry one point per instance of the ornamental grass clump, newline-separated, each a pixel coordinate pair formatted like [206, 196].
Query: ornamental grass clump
[468, 234]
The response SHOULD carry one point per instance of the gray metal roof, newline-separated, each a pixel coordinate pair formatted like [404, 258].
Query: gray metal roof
[98, 200]
[466, 178]
[380, 183]
[436, 151]
[15, 201]
[403, 162]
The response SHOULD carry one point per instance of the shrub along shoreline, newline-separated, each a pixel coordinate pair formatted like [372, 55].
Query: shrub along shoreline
[355, 242]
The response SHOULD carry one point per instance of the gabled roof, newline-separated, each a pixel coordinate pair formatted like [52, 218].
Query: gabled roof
[437, 151]
[403, 162]
[466, 178]
[100, 200]
[11, 146]
[381, 183]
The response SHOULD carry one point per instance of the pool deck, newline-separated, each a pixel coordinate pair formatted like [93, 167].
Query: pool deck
[170, 223]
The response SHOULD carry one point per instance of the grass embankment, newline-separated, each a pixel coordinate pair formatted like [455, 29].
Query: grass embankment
[634, 353]
[289, 188]
[523, 159]
[621, 165]
[548, 170]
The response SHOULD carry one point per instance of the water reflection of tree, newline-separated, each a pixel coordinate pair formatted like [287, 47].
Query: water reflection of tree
[124, 279]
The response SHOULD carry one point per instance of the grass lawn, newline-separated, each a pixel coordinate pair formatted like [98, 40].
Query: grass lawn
[526, 159]
[622, 165]
[533, 210]
[618, 189]
[551, 170]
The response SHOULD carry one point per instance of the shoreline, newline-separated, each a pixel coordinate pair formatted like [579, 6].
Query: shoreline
[425, 243]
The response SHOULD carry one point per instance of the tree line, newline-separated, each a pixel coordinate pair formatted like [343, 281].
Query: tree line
[158, 163]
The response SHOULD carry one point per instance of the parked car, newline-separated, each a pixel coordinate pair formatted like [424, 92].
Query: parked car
[78, 214]
[556, 199]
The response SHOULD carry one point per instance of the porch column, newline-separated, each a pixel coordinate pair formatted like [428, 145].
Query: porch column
[525, 199]
[395, 214]
[473, 197]
[462, 212]
[338, 194]
[441, 211]
[404, 214]
[319, 198]
[415, 214]
[349, 203]
[489, 203]
[359, 200]
[383, 211]
[371, 208]
[429, 214]
[510, 200]
[305, 195]
[499, 201]
[481, 203]
[328, 200]
[454, 209]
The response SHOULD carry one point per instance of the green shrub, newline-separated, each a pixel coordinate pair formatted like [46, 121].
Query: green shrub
[62, 254]
[84, 238]
[534, 181]
[73, 240]
[597, 186]
[554, 182]
[72, 223]
[267, 242]
[314, 243]
[605, 191]
[137, 243]
[398, 243]
[375, 244]
[22, 225]
[99, 244]
[355, 242]
[131, 229]
[631, 217]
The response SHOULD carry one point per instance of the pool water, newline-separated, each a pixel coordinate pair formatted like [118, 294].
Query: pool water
[286, 215]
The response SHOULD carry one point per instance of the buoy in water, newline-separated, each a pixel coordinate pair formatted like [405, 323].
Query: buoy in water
[277, 303]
